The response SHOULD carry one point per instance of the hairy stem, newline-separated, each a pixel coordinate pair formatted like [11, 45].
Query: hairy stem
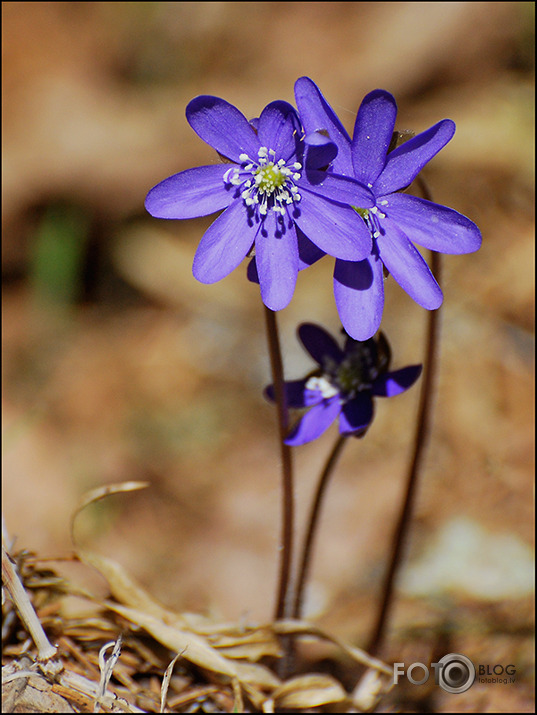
[423, 428]
[282, 609]
[313, 521]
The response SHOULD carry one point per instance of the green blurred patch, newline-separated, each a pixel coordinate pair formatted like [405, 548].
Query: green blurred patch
[57, 258]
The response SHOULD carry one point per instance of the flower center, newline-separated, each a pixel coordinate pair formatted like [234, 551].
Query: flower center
[364, 213]
[371, 217]
[266, 184]
[269, 178]
[356, 372]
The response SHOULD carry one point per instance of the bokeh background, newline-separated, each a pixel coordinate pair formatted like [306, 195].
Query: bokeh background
[118, 365]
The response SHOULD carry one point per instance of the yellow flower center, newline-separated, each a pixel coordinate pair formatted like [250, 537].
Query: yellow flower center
[364, 213]
[266, 184]
[268, 178]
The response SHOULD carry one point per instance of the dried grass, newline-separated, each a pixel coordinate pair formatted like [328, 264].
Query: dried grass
[133, 655]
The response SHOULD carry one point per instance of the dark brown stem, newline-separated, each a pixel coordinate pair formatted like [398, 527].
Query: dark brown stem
[305, 561]
[282, 609]
[421, 436]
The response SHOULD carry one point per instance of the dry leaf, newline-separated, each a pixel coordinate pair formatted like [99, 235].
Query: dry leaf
[252, 645]
[32, 697]
[166, 683]
[191, 646]
[256, 675]
[309, 691]
[369, 690]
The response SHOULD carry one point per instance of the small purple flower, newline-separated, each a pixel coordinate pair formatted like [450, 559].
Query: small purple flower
[344, 385]
[269, 189]
[397, 220]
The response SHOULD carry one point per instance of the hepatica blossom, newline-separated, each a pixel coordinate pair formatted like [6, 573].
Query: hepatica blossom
[269, 189]
[397, 220]
[344, 385]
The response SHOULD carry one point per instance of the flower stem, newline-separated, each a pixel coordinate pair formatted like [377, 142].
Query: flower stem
[282, 609]
[423, 428]
[305, 561]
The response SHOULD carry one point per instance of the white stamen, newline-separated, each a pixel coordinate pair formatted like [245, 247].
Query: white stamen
[266, 183]
[322, 385]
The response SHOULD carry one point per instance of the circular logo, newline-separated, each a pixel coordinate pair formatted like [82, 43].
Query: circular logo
[457, 673]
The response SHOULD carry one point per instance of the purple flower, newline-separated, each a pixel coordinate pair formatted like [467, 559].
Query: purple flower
[344, 384]
[269, 189]
[397, 220]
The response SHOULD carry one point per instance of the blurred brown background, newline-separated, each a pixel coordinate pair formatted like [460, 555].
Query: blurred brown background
[118, 365]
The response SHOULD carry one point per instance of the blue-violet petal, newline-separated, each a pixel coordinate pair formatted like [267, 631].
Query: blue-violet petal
[405, 163]
[317, 115]
[319, 343]
[224, 245]
[359, 295]
[408, 267]
[278, 128]
[316, 421]
[295, 391]
[394, 383]
[276, 257]
[336, 229]
[190, 194]
[356, 414]
[433, 226]
[373, 131]
[222, 126]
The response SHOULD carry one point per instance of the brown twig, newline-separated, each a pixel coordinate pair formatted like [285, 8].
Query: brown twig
[286, 540]
[305, 560]
[21, 600]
